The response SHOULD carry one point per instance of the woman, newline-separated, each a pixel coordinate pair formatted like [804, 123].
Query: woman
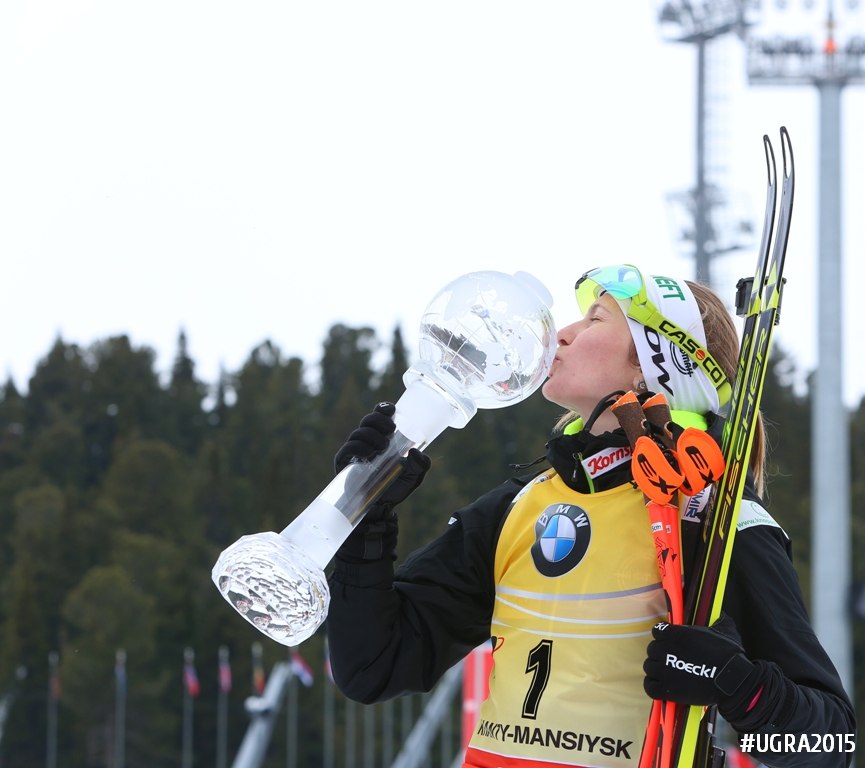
[560, 572]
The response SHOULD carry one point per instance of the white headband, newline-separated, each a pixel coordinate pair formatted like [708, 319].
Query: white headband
[666, 368]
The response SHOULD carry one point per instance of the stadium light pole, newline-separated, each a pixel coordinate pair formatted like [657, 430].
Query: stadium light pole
[829, 65]
[697, 24]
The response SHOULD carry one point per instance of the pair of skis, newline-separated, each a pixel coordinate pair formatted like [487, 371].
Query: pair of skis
[759, 301]
[688, 741]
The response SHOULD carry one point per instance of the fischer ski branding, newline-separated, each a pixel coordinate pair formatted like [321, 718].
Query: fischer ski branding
[759, 301]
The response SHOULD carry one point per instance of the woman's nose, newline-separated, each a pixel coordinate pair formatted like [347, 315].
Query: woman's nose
[566, 335]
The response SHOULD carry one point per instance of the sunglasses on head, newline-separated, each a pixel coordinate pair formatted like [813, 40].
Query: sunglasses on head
[625, 283]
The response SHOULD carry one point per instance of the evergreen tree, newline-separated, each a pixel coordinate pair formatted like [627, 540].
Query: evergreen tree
[217, 494]
[185, 414]
[15, 472]
[12, 419]
[33, 595]
[108, 611]
[58, 453]
[56, 388]
[390, 385]
[787, 424]
[123, 401]
[148, 484]
[218, 415]
[347, 362]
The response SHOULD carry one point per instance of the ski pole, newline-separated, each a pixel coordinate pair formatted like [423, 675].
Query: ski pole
[654, 471]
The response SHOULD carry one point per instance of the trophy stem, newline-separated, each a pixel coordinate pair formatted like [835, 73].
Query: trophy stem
[423, 412]
[277, 581]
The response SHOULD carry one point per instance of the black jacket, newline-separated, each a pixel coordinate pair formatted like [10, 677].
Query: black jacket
[393, 633]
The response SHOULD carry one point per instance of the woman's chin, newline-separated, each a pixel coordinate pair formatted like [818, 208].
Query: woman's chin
[548, 390]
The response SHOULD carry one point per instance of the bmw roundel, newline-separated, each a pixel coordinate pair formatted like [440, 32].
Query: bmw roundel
[562, 536]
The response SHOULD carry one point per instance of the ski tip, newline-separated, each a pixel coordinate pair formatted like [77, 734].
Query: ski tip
[770, 160]
[787, 150]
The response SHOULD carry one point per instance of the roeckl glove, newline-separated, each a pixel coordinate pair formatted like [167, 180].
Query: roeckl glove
[700, 666]
[375, 536]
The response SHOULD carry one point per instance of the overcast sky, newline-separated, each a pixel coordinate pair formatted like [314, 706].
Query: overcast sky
[252, 171]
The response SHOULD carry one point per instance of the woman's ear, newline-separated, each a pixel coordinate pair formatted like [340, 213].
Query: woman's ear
[640, 383]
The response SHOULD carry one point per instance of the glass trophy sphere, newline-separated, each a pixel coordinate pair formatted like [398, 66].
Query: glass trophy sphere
[491, 334]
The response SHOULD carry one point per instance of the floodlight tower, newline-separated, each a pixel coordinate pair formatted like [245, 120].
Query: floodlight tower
[699, 23]
[830, 65]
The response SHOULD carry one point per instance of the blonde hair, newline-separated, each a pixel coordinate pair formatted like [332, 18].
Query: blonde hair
[722, 340]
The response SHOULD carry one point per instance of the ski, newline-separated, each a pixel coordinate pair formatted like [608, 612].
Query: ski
[759, 302]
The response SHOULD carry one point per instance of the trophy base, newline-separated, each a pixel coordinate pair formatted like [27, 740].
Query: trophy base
[274, 585]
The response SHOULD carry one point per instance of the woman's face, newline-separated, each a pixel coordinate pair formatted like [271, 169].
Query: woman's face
[595, 357]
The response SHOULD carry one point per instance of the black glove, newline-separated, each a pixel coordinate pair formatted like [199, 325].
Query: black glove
[700, 666]
[369, 439]
[375, 536]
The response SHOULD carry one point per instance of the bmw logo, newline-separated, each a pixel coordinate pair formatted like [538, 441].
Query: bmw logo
[562, 536]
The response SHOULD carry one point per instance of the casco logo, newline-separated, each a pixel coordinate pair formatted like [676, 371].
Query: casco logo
[693, 347]
[692, 669]
[678, 355]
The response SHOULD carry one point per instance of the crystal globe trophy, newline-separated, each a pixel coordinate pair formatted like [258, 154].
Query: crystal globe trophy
[487, 340]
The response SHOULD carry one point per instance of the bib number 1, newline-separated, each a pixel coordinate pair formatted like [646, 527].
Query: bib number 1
[538, 664]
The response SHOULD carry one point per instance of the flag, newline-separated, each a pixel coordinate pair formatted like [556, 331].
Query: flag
[258, 678]
[54, 680]
[224, 671]
[738, 759]
[327, 669]
[190, 677]
[476, 686]
[120, 671]
[301, 669]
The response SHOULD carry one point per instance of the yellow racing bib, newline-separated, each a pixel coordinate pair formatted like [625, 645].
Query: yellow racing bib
[577, 594]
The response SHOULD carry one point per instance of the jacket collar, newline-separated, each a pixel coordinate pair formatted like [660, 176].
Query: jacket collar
[589, 463]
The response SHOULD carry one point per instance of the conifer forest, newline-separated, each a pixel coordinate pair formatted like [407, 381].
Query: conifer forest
[121, 484]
